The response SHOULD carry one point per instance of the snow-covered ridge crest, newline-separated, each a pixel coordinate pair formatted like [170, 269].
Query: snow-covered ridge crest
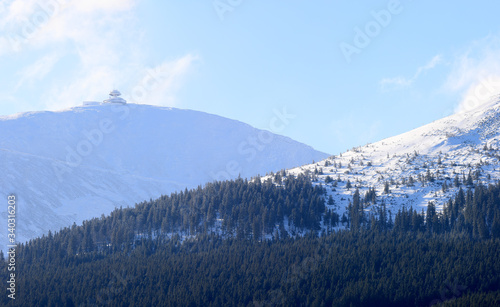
[429, 163]
[474, 127]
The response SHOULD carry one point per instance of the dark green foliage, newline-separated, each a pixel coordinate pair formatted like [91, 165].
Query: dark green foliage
[328, 179]
[136, 257]
[386, 188]
[371, 196]
[363, 269]
[348, 185]
[469, 181]
[355, 211]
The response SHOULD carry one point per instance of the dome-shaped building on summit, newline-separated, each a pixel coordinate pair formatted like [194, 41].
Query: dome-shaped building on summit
[114, 97]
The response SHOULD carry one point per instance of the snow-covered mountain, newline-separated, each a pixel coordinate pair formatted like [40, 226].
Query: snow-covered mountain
[419, 166]
[79, 163]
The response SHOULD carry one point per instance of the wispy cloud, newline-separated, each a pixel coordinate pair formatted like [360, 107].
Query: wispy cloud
[26, 24]
[475, 73]
[37, 70]
[400, 82]
[159, 84]
[103, 41]
[149, 85]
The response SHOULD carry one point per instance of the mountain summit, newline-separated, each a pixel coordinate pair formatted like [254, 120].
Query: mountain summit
[75, 164]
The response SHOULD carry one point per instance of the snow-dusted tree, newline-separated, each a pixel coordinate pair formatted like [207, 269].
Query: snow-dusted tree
[386, 188]
[348, 185]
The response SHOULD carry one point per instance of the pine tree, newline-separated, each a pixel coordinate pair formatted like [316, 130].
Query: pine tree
[444, 187]
[355, 210]
[469, 182]
[430, 216]
[331, 202]
[495, 228]
[411, 181]
[429, 177]
[348, 185]
[386, 188]
[456, 181]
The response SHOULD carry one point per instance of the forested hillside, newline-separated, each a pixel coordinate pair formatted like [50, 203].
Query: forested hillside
[235, 243]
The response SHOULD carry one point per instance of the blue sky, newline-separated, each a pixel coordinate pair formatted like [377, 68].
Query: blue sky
[345, 73]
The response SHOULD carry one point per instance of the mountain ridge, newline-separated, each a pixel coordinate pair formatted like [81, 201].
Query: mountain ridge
[74, 164]
[439, 157]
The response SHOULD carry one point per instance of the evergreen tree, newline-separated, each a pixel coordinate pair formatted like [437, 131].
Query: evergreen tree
[456, 181]
[348, 185]
[386, 188]
[430, 217]
[469, 182]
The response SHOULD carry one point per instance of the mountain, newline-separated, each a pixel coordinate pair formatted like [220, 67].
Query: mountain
[68, 166]
[272, 240]
[427, 164]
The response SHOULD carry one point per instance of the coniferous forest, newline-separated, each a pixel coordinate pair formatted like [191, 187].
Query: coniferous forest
[269, 243]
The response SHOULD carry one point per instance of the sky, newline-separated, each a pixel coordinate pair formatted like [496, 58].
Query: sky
[337, 74]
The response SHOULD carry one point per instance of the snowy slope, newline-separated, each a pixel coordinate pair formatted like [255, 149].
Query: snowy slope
[79, 163]
[447, 148]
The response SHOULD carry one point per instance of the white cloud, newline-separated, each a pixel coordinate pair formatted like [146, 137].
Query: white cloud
[108, 5]
[399, 82]
[17, 11]
[160, 83]
[102, 41]
[85, 86]
[32, 22]
[475, 73]
[156, 86]
[37, 70]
